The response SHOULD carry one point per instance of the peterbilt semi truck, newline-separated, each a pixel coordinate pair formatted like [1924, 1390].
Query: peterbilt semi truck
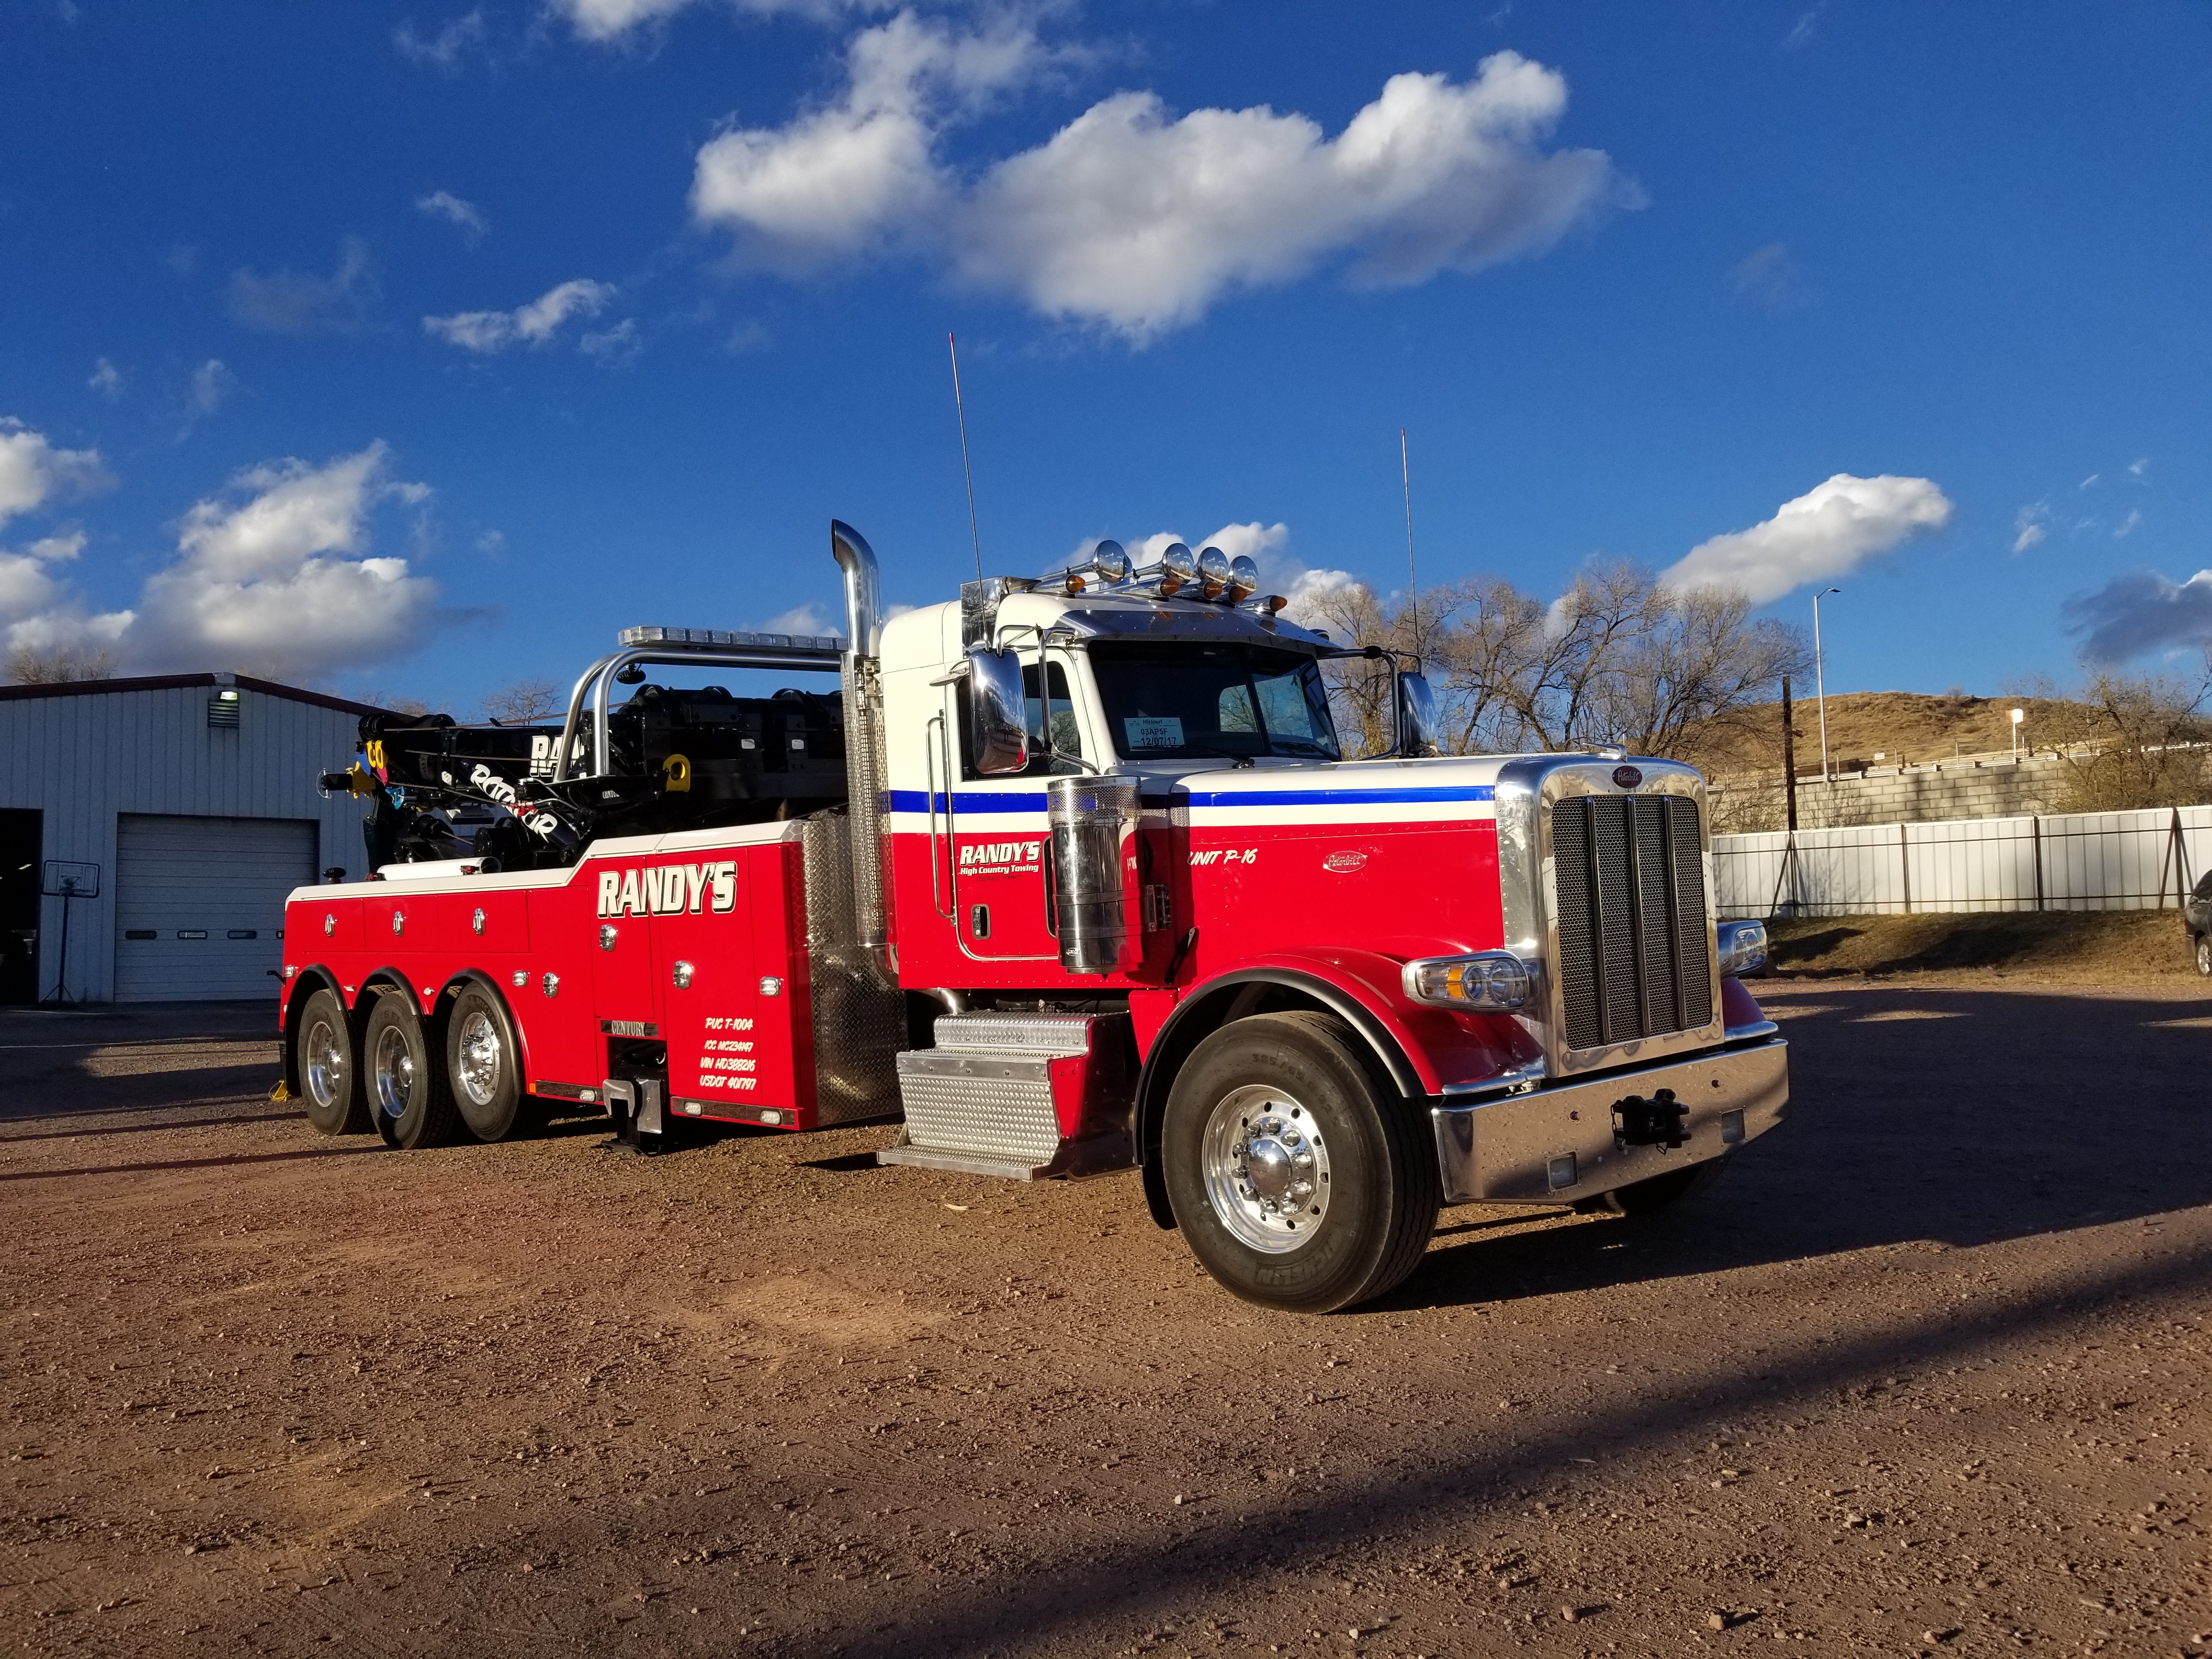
[1072, 875]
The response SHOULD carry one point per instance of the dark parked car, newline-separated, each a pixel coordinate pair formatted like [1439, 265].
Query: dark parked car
[2196, 916]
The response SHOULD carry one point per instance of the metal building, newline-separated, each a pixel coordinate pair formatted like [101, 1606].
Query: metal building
[187, 805]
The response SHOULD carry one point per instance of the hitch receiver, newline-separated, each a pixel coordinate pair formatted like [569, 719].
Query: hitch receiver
[1662, 1121]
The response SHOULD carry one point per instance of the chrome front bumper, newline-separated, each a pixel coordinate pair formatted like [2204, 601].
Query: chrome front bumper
[1557, 1144]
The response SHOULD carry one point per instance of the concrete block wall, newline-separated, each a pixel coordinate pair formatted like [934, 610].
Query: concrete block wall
[1963, 788]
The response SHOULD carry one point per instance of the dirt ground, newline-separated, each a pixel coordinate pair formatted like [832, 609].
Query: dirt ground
[2056, 947]
[1925, 1373]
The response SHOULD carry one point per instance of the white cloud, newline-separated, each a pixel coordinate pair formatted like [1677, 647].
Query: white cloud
[532, 324]
[1770, 279]
[612, 348]
[2141, 612]
[34, 472]
[211, 384]
[1131, 219]
[443, 49]
[37, 611]
[1825, 533]
[2139, 467]
[860, 174]
[2128, 524]
[282, 581]
[2030, 526]
[614, 20]
[107, 379]
[296, 302]
[808, 618]
[466, 216]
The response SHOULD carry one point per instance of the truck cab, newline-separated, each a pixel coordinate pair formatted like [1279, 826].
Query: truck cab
[1102, 888]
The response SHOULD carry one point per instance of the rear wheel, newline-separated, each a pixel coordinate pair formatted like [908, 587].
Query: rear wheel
[480, 1064]
[1295, 1173]
[407, 1092]
[323, 1060]
[2204, 954]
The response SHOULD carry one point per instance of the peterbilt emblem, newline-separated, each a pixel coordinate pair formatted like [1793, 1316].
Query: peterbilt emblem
[1626, 777]
[1344, 864]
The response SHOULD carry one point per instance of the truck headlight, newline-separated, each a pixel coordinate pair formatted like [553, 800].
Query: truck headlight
[1488, 980]
[1741, 947]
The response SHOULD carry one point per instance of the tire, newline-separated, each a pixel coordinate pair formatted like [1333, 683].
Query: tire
[324, 1060]
[1347, 1189]
[405, 1077]
[1662, 1192]
[2203, 943]
[483, 1066]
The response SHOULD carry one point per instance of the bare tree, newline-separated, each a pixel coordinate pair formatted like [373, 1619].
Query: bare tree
[2130, 741]
[59, 665]
[1618, 658]
[523, 701]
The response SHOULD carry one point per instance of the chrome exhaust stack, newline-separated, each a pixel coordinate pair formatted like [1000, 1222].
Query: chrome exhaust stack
[864, 744]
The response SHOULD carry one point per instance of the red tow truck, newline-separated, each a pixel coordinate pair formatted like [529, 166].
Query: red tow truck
[1069, 875]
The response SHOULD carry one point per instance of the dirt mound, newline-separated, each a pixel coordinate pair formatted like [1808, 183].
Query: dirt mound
[2080, 947]
[1903, 727]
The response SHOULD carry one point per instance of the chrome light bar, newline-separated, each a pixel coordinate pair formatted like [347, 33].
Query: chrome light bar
[1209, 575]
[721, 639]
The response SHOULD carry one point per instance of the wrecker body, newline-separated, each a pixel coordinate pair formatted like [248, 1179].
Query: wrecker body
[1068, 876]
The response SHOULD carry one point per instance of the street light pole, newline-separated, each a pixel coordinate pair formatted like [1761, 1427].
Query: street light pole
[1820, 681]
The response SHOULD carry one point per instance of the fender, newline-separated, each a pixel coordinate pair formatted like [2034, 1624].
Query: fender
[1333, 982]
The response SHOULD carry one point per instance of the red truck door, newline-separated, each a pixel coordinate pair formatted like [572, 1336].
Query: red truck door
[625, 988]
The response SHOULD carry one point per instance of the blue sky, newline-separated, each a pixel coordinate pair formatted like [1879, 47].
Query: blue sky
[418, 349]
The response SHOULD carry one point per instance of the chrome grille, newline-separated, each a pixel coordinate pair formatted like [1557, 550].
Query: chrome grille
[1635, 938]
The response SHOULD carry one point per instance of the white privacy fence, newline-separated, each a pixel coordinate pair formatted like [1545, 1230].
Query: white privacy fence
[2071, 861]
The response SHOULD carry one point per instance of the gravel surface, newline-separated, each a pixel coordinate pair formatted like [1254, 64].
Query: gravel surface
[1924, 1374]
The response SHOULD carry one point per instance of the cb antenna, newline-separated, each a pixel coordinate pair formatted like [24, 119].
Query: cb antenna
[968, 471]
[1412, 581]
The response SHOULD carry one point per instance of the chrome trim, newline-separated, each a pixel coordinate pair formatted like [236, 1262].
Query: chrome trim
[1764, 1028]
[1524, 796]
[1514, 1079]
[1504, 1151]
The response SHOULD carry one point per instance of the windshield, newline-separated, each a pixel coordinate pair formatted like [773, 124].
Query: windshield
[1170, 702]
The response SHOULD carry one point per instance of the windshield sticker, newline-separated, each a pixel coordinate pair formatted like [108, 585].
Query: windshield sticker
[1153, 731]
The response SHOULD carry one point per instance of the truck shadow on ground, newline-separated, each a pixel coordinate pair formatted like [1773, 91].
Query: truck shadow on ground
[1999, 1115]
[1472, 1468]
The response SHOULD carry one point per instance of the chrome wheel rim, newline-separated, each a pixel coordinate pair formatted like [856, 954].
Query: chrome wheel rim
[477, 1058]
[326, 1068]
[2204, 954]
[1266, 1169]
[393, 1069]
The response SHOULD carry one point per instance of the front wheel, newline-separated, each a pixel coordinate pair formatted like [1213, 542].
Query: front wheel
[2204, 954]
[407, 1091]
[1295, 1173]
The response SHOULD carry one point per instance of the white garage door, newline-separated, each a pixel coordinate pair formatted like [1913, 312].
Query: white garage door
[199, 904]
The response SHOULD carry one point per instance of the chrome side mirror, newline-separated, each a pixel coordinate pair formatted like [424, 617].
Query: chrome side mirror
[998, 715]
[1419, 730]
